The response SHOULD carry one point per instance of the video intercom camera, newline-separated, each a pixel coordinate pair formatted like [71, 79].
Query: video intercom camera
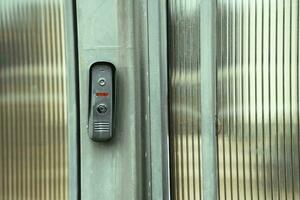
[102, 101]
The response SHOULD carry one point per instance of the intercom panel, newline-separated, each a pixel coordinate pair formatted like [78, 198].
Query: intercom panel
[102, 100]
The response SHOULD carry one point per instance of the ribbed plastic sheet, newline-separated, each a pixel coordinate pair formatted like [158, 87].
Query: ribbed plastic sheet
[33, 103]
[258, 99]
[184, 94]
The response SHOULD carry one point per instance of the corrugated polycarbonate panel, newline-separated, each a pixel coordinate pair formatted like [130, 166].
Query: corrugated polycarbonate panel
[33, 113]
[258, 99]
[184, 88]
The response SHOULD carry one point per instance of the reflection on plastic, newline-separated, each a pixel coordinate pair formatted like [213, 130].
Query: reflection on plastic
[33, 110]
[258, 99]
[184, 88]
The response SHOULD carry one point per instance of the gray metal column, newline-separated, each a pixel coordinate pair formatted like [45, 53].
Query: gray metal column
[110, 170]
[158, 88]
[72, 101]
[131, 35]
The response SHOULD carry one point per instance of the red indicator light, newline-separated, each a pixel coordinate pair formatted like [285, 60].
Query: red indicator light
[102, 94]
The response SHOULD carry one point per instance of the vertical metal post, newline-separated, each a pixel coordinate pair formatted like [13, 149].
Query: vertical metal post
[72, 100]
[208, 75]
[157, 38]
[111, 170]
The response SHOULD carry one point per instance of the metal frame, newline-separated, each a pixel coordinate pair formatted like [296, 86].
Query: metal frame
[110, 170]
[72, 99]
[131, 35]
[158, 77]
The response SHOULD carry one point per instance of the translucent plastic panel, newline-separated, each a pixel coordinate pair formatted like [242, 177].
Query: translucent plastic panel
[184, 88]
[33, 122]
[258, 99]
